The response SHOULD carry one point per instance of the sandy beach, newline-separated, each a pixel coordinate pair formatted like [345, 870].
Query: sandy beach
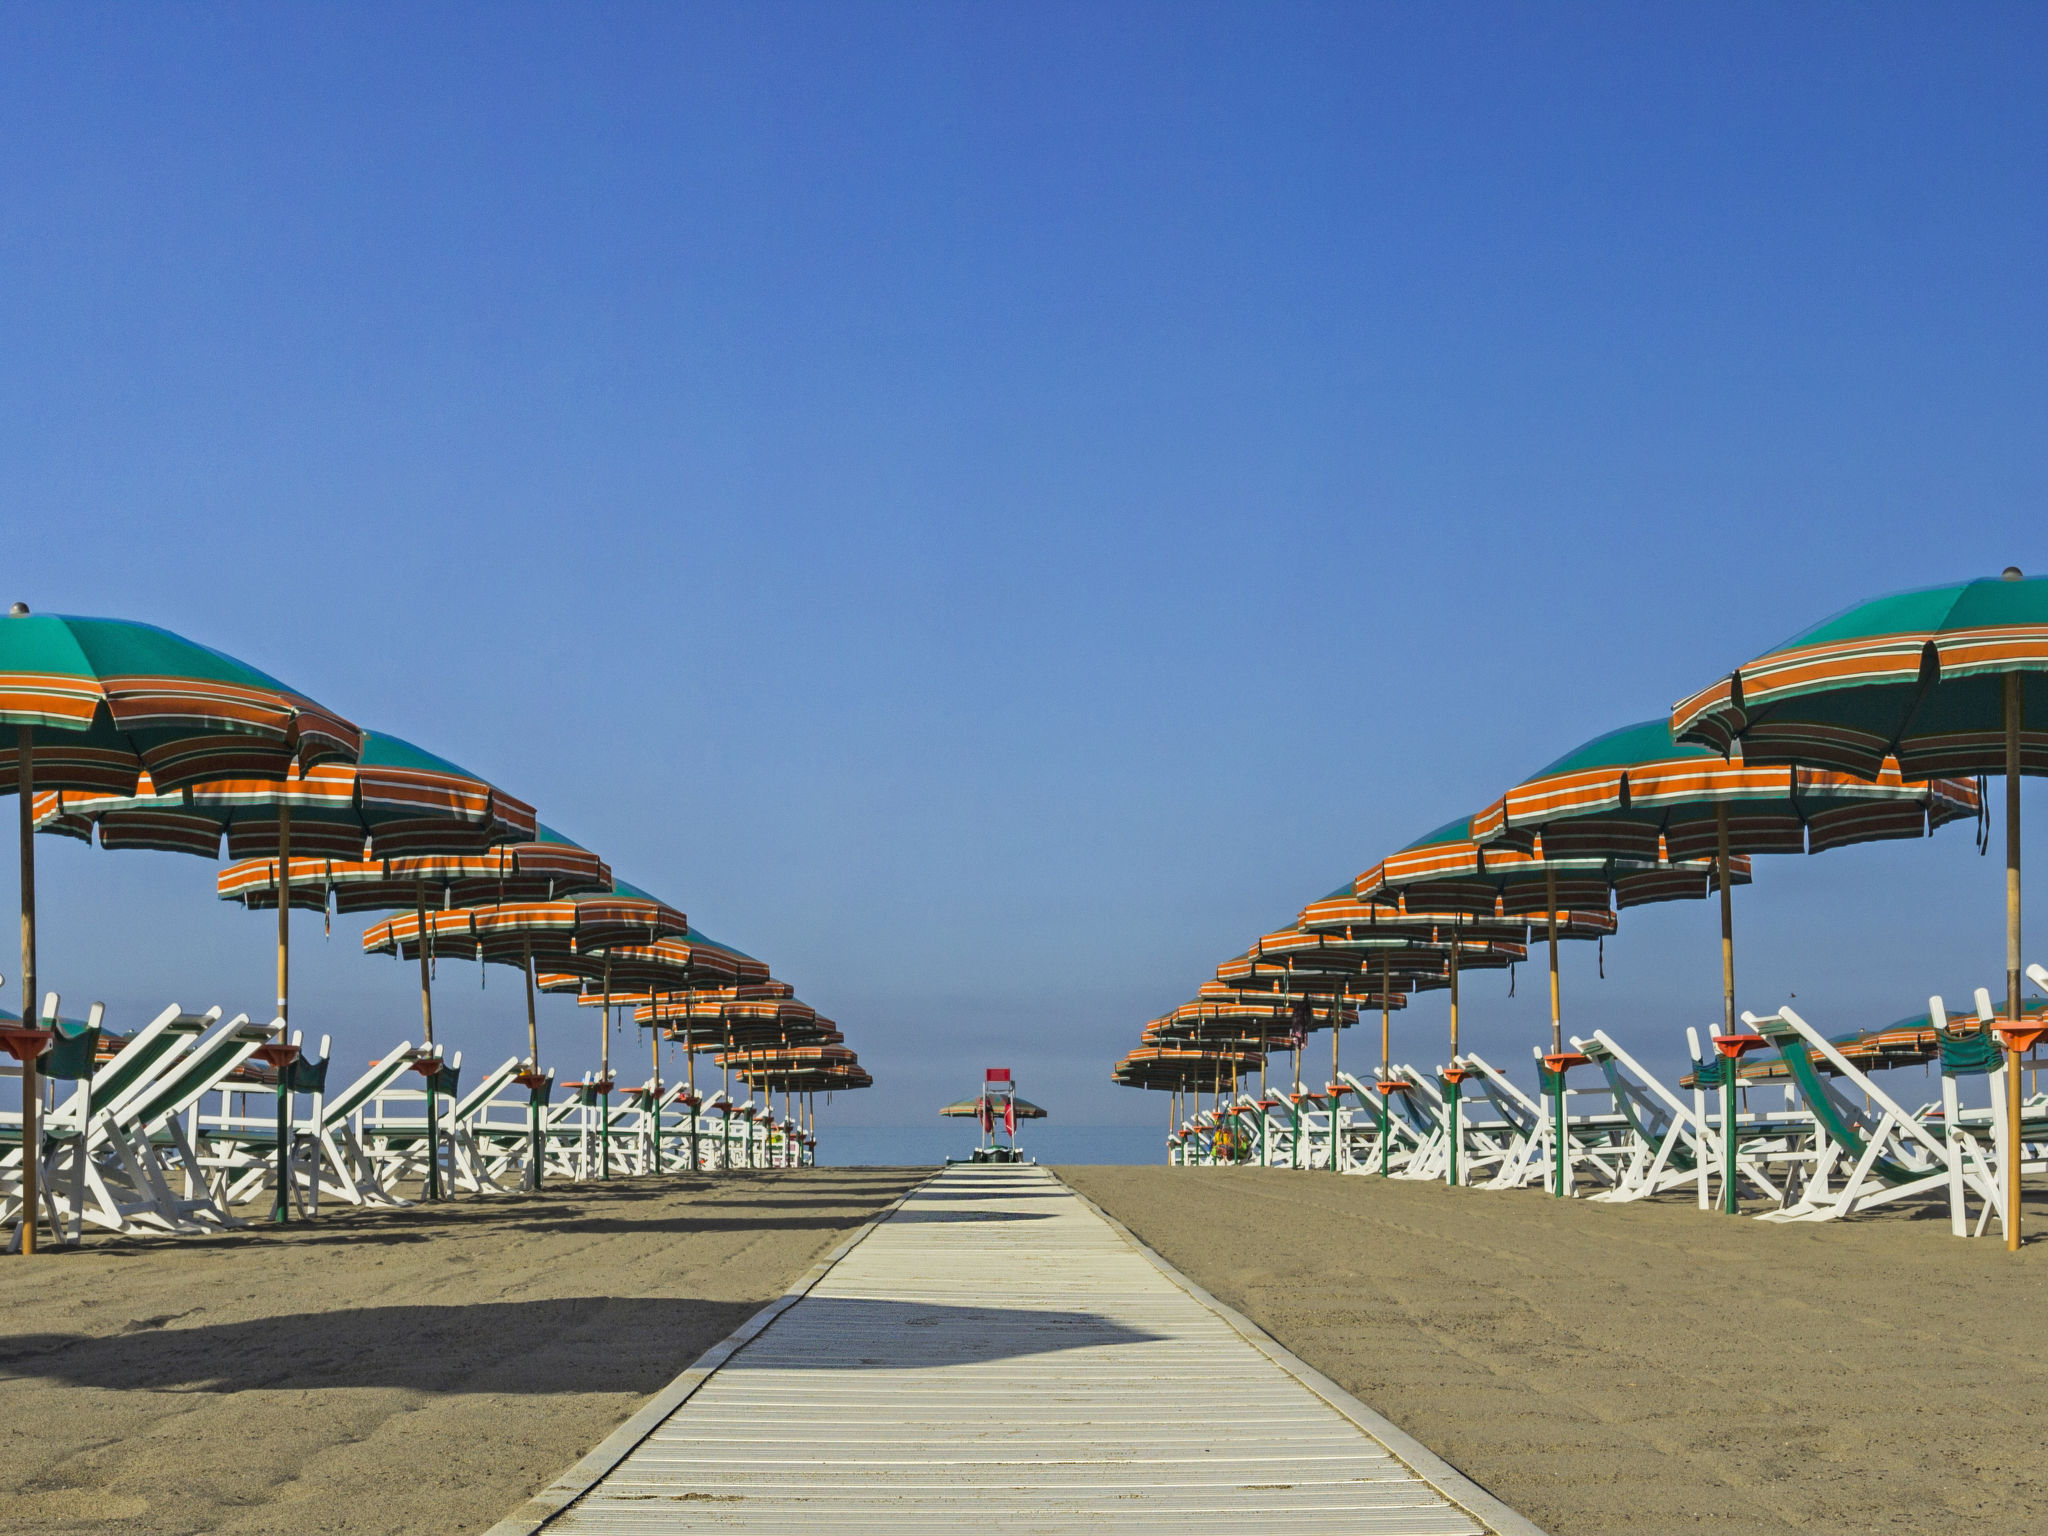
[419, 1370]
[1642, 1368]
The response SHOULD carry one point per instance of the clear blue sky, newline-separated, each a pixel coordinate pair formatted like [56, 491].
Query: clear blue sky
[992, 506]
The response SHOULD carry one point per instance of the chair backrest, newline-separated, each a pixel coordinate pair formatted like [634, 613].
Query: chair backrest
[473, 1101]
[369, 1085]
[303, 1076]
[149, 1052]
[209, 1062]
[73, 1054]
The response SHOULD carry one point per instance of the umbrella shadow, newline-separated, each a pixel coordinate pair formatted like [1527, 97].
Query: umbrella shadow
[862, 1333]
[911, 1214]
[571, 1344]
[574, 1344]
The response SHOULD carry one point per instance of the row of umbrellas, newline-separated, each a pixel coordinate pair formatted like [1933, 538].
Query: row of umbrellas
[136, 737]
[1881, 722]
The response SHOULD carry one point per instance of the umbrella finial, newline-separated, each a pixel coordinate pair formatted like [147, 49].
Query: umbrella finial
[18, 611]
[2012, 573]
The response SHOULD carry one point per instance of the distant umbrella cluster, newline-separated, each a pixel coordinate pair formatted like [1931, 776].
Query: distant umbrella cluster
[1877, 724]
[135, 737]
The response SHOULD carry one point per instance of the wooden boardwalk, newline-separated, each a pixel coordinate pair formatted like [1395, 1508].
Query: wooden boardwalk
[998, 1354]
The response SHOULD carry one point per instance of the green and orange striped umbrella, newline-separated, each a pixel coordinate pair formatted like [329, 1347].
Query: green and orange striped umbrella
[1943, 680]
[1373, 963]
[1181, 1069]
[546, 866]
[801, 1069]
[395, 799]
[640, 974]
[1640, 794]
[103, 705]
[1448, 871]
[570, 934]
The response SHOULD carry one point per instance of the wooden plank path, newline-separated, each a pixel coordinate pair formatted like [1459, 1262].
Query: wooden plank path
[997, 1353]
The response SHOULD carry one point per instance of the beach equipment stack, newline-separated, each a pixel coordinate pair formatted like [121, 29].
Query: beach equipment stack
[1875, 725]
[134, 737]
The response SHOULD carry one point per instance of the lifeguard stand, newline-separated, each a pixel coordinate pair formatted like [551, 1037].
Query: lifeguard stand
[998, 1107]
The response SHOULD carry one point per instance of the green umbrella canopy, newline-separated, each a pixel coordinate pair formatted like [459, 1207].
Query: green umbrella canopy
[545, 867]
[1639, 793]
[1183, 1069]
[106, 701]
[567, 934]
[670, 967]
[396, 799]
[1448, 870]
[1916, 676]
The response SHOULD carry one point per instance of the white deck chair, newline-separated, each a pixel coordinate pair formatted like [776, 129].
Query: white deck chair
[1665, 1136]
[469, 1166]
[238, 1145]
[330, 1141]
[101, 1182]
[393, 1124]
[1884, 1153]
[144, 1129]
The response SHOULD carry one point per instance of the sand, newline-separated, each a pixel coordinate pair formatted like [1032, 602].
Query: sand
[408, 1371]
[1642, 1368]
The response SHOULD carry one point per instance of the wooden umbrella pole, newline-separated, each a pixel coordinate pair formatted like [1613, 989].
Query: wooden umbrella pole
[419, 901]
[1454, 995]
[1721, 867]
[532, 1019]
[419, 904]
[1386, 1021]
[1455, 1115]
[24, 794]
[1386, 1053]
[604, 1077]
[534, 1155]
[1336, 1082]
[2014, 705]
[284, 914]
[1556, 1012]
[282, 1211]
[654, 1044]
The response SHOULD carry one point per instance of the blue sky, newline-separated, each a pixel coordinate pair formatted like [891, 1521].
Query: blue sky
[991, 507]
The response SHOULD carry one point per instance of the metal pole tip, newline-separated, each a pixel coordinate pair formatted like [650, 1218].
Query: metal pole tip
[18, 611]
[2012, 573]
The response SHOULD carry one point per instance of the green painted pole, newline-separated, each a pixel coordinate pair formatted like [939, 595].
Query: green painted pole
[281, 1212]
[1729, 1204]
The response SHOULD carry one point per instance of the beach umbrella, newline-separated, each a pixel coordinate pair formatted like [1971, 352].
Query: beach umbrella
[668, 966]
[103, 705]
[800, 1070]
[1417, 944]
[395, 799]
[1420, 957]
[1181, 1070]
[1449, 872]
[571, 933]
[1940, 680]
[539, 868]
[1640, 794]
[1393, 959]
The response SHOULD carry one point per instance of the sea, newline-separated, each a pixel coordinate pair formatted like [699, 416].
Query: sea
[843, 1146]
